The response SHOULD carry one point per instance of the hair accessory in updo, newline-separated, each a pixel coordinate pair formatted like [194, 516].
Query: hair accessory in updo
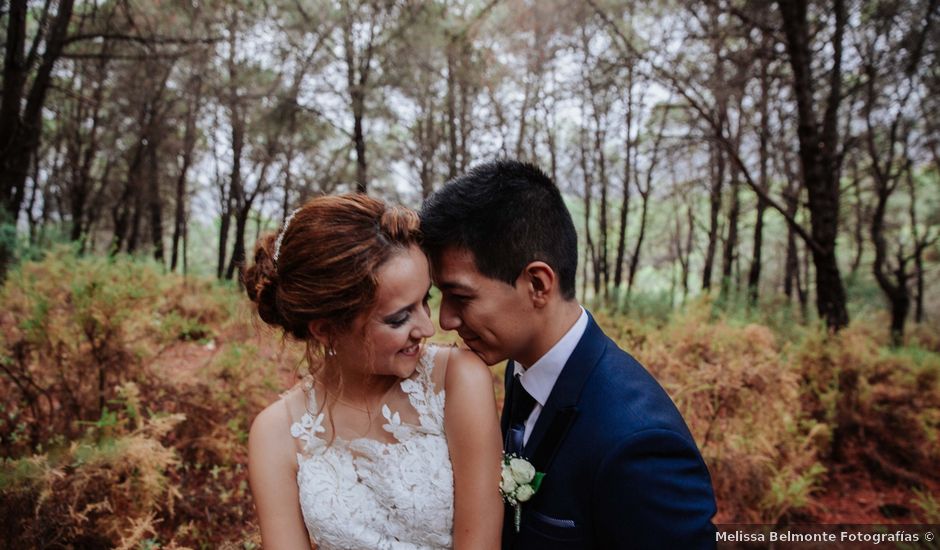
[280, 237]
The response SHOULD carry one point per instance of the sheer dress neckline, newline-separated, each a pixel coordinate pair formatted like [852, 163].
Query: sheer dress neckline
[367, 493]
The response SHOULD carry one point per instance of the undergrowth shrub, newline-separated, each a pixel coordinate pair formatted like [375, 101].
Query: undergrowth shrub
[739, 401]
[126, 396]
[776, 411]
[71, 328]
[883, 402]
[104, 489]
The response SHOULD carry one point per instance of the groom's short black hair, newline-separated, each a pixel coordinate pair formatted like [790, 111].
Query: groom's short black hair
[506, 213]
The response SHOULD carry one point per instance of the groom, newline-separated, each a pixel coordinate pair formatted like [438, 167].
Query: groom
[621, 468]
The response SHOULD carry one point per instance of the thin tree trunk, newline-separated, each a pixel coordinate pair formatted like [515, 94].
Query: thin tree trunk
[753, 279]
[645, 196]
[552, 147]
[357, 79]
[729, 252]
[238, 251]
[714, 200]
[523, 116]
[224, 226]
[859, 220]
[155, 204]
[818, 153]
[123, 211]
[635, 257]
[21, 121]
[625, 197]
[136, 214]
[599, 139]
[359, 140]
[451, 113]
[189, 143]
[236, 191]
[32, 222]
[919, 245]
[586, 171]
[466, 123]
[690, 217]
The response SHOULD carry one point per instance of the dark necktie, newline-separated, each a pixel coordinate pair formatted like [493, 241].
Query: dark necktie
[522, 404]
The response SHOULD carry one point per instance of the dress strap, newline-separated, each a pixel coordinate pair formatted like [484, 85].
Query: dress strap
[310, 423]
[423, 396]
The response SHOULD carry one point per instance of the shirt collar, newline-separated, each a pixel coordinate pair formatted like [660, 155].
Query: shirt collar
[540, 378]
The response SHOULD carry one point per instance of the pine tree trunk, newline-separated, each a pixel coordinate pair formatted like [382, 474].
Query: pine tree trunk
[819, 154]
[714, 199]
[155, 204]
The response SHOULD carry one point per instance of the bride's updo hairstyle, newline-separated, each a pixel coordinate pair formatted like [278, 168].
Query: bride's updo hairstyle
[322, 264]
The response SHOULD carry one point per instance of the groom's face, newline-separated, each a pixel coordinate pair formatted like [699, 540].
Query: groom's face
[489, 315]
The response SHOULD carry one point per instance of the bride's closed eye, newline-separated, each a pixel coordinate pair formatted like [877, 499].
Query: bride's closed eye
[400, 318]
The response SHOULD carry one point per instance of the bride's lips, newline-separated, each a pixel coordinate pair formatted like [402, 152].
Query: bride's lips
[411, 350]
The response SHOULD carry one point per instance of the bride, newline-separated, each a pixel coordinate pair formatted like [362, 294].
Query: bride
[365, 453]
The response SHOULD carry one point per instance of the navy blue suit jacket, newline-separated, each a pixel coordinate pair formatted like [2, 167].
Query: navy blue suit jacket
[622, 469]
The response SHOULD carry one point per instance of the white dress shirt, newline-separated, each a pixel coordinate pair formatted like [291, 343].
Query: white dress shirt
[540, 378]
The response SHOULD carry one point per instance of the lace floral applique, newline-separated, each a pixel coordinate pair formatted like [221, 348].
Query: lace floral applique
[306, 430]
[367, 494]
[428, 403]
[393, 423]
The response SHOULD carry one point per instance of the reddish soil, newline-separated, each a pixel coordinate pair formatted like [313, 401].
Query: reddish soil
[183, 360]
[856, 497]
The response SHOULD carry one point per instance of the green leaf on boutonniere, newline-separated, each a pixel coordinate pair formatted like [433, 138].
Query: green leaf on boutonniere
[537, 481]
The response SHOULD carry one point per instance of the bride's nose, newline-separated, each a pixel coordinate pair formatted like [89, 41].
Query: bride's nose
[424, 328]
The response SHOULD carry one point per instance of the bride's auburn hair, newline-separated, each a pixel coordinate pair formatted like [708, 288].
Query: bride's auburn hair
[326, 263]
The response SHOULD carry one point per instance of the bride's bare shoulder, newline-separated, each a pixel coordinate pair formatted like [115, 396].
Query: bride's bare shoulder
[461, 369]
[451, 354]
[270, 431]
[447, 357]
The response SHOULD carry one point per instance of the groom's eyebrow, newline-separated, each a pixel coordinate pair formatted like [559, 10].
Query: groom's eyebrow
[450, 285]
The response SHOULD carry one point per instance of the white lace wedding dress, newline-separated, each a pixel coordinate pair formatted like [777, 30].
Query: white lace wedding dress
[372, 494]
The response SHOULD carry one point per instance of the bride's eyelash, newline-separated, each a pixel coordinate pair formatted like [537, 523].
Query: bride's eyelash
[398, 321]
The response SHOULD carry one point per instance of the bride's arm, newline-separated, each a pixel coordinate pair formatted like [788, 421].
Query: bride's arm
[272, 473]
[475, 449]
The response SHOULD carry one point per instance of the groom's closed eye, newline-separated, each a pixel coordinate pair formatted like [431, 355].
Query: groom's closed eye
[461, 298]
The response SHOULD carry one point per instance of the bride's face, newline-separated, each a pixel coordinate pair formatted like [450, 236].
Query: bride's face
[391, 335]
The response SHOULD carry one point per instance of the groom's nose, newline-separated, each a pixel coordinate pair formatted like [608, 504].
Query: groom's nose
[449, 318]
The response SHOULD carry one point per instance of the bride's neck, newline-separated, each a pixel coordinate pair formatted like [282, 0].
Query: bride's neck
[361, 390]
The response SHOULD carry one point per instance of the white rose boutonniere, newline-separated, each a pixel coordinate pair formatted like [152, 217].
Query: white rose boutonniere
[519, 483]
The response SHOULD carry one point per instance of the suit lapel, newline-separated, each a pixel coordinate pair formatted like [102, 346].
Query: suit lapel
[507, 399]
[560, 410]
[543, 454]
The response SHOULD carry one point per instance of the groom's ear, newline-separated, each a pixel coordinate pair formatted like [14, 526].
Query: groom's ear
[539, 280]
